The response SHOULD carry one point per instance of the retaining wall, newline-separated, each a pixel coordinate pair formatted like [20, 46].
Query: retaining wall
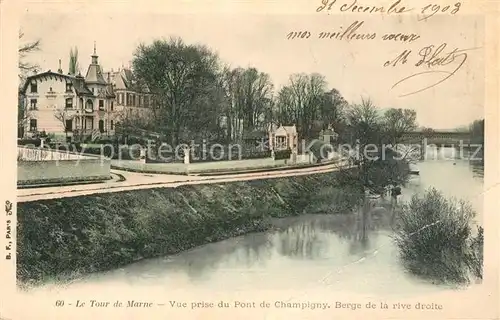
[41, 166]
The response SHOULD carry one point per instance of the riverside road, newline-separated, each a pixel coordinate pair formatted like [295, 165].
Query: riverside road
[135, 181]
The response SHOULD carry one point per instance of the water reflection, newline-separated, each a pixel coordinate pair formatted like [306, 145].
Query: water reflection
[300, 251]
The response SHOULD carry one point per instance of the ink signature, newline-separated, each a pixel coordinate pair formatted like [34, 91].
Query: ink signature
[432, 57]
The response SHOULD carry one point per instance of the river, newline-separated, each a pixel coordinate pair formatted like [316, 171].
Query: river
[309, 252]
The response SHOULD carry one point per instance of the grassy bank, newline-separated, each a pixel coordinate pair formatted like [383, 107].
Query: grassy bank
[62, 238]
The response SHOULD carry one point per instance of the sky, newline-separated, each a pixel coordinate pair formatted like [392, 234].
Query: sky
[355, 68]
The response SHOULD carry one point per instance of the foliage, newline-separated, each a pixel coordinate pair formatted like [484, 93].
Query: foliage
[124, 153]
[282, 154]
[303, 101]
[476, 130]
[184, 78]
[248, 95]
[379, 166]
[435, 239]
[397, 122]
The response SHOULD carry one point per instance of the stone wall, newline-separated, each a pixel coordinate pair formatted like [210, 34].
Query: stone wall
[38, 166]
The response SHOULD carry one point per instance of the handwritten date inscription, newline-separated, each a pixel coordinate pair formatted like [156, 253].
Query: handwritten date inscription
[432, 58]
[396, 7]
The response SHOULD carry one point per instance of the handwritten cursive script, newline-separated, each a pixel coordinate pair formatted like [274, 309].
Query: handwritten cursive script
[431, 57]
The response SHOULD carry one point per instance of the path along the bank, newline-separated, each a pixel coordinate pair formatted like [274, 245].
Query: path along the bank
[135, 181]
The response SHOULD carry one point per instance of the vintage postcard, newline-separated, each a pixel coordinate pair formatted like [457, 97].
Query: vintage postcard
[322, 159]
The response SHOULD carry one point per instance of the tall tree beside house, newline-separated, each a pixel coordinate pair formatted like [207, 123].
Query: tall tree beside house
[184, 79]
[74, 67]
[25, 69]
[299, 102]
[257, 91]
[248, 96]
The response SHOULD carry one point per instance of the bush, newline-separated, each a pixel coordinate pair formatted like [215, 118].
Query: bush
[126, 152]
[282, 154]
[34, 142]
[435, 239]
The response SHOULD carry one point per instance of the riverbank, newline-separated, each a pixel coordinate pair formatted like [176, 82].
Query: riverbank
[60, 239]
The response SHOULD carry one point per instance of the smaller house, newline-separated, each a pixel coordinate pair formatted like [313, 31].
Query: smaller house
[283, 138]
[328, 135]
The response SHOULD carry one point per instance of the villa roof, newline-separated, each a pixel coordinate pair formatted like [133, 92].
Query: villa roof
[291, 130]
[80, 86]
[94, 74]
[77, 81]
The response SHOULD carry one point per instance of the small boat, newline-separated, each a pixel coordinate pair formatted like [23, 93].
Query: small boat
[414, 170]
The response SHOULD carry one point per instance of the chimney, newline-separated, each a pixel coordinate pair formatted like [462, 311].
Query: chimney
[60, 69]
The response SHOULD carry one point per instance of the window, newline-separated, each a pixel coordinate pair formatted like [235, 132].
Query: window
[68, 87]
[69, 103]
[111, 105]
[34, 87]
[33, 125]
[146, 101]
[92, 90]
[101, 105]
[111, 125]
[89, 106]
[101, 126]
[133, 100]
[33, 104]
[69, 125]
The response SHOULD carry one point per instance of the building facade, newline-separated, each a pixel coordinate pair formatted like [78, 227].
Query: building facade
[133, 102]
[74, 107]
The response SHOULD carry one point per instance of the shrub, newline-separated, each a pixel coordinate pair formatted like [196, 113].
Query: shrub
[126, 152]
[34, 142]
[435, 239]
[282, 154]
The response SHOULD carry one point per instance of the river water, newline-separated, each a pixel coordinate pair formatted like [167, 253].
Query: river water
[309, 252]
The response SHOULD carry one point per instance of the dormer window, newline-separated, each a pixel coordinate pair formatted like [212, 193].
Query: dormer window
[69, 87]
[89, 106]
[34, 87]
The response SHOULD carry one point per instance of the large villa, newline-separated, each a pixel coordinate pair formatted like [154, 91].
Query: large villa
[66, 105]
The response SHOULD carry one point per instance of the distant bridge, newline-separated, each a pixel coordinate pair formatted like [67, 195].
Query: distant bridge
[437, 138]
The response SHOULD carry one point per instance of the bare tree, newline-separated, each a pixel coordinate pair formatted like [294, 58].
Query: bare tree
[63, 115]
[25, 68]
[299, 102]
[23, 50]
[398, 122]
